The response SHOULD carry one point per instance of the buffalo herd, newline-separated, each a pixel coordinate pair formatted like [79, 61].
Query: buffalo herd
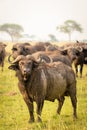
[45, 72]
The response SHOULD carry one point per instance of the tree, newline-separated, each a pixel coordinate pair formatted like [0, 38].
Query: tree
[14, 30]
[53, 38]
[69, 27]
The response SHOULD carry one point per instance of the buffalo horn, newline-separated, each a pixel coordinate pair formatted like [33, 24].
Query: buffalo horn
[18, 59]
[45, 59]
[80, 49]
[9, 59]
[51, 60]
[33, 59]
[30, 57]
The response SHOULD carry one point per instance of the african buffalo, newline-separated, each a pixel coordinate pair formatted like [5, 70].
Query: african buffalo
[19, 49]
[80, 61]
[50, 56]
[77, 55]
[25, 48]
[41, 81]
[2, 54]
[46, 55]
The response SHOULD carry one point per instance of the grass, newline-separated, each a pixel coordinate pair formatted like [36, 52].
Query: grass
[14, 113]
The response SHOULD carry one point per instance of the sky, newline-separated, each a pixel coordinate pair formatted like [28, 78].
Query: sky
[41, 17]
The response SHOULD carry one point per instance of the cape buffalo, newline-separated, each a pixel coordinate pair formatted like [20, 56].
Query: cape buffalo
[2, 54]
[42, 81]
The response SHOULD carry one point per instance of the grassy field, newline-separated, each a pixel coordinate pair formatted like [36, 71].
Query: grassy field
[14, 113]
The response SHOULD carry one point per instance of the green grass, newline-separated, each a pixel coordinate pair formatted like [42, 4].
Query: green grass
[14, 113]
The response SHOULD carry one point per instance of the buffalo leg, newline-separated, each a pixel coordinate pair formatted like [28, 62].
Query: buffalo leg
[61, 101]
[81, 68]
[39, 109]
[74, 101]
[2, 65]
[76, 69]
[30, 107]
[31, 111]
[28, 101]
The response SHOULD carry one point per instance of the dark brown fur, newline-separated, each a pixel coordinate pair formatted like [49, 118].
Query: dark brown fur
[54, 56]
[2, 54]
[42, 81]
[25, 49]
[80, 61]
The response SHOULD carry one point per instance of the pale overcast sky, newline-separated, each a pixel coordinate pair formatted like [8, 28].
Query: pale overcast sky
[40, 17]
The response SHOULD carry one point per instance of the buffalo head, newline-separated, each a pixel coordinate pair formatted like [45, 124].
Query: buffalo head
[24, 64]
[19, 49]
[72, 53]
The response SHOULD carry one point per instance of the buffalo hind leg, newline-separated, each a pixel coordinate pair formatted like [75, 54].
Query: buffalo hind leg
[61, 101]
[39, 109]
[76, 69]
[74, 102]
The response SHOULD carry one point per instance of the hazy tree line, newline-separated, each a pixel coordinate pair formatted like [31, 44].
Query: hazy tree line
[16, 31]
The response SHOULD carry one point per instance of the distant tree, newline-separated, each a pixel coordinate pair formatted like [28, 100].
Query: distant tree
[14, 30]
[69, 27]
[52, 38]
[27, 37]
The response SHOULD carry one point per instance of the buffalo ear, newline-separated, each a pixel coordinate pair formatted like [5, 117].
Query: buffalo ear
[13, 67]
[64, 52]
[35, 64]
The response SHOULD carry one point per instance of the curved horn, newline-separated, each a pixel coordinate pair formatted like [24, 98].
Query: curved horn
[80, 49]
[30, 57]
[18, 59]
[44, 58]
[9, 59]
[51, 60]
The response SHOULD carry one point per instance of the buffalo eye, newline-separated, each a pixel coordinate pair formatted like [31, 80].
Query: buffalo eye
[14, 49]
[21, 63]
[26, 49]
[29, 63]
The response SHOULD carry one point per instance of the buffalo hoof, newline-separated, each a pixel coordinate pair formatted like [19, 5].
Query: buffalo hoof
[58, 113]
[77, 76]
[31, 121]
[39, 120]
[74, 117]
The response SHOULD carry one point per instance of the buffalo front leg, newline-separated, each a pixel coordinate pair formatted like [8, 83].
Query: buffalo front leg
[28, 101]
[61, 101]
[2, 65]
[39, 109]
[81, 69]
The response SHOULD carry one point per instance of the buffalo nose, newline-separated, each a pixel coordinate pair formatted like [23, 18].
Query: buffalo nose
[26, 70]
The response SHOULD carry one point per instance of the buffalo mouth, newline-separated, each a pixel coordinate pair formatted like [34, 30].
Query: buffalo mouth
[73, 58]
[25, 77]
